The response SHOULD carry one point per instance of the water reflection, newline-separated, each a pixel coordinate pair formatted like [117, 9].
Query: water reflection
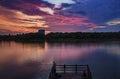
[32, 60]
[21, 52]
[21, 60]
[62, 53]
[14, 70]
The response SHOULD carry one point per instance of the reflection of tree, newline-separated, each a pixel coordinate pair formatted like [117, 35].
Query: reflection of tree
[33, 51]
[41, 44]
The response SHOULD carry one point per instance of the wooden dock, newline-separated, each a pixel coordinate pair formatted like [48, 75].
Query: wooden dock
[70, 72]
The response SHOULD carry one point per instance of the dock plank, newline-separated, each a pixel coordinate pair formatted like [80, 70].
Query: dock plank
[70, 76]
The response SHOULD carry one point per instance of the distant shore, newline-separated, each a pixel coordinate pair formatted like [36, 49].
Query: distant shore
[63, 37]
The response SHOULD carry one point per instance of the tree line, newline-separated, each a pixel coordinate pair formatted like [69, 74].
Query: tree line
[23, 37]
[58, 36]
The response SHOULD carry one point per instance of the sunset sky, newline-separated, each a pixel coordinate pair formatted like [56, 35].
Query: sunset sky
[24, 16]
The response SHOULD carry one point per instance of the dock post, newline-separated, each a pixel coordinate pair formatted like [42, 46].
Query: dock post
[64, 68]
[76, 68]
[53, 71]
[54, 67]
[89, 72]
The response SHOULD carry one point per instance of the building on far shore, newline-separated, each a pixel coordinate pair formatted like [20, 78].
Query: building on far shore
[42, 32]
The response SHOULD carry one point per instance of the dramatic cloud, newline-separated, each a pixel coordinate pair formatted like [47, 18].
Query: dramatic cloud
[17, 21]
[101, 12]
[23, 16]
[67, 21]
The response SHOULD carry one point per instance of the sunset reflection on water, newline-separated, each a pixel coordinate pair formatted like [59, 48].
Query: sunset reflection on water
[32, 60]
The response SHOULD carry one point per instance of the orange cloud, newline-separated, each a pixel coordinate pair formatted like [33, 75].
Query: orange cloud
[17, 21]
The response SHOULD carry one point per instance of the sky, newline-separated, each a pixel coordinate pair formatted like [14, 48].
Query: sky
[25, 16]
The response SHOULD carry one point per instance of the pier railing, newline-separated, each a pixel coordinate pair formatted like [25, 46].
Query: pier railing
[83, 70]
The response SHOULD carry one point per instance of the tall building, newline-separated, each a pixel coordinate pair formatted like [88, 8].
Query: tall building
[41, 31]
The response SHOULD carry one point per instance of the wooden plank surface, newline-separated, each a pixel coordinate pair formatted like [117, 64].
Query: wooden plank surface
[68, 76]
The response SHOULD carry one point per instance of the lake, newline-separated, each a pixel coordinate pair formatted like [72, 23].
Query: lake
[33, 60]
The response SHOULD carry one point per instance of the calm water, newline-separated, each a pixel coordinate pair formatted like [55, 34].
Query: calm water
[32, 60]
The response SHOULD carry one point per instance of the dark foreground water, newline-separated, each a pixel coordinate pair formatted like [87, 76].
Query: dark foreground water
[32, 60]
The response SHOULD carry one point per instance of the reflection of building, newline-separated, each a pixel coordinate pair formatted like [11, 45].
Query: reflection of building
[41, 31]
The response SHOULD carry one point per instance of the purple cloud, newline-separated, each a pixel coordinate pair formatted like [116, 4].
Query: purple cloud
[29, 7]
